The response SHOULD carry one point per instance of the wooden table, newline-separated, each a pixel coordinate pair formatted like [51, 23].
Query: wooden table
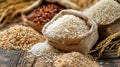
[17, 59]
[13, 59]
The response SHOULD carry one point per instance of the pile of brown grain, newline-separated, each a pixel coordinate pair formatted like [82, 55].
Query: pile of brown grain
[74, 59]
[19, 37]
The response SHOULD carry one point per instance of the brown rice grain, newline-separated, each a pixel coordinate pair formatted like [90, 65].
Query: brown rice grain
[74, 59]
[19, 37]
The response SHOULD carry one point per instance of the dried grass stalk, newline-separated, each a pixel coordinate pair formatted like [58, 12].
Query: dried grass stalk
[111, 41]
[10, 8]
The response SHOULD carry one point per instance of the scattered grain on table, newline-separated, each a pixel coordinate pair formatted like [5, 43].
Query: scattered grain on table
[42, 49]
[43, 60]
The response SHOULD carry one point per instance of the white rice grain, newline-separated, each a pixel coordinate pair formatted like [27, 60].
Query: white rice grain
[67, 25]
[42, 49]
[104, 12]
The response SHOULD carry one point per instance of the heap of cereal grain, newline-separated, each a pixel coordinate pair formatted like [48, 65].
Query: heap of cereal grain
[104, 12]
[19, 37]
[74, 59]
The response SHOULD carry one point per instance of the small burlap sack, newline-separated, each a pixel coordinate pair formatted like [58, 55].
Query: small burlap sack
[83, 4]
[107, 14]
[65, 3]
[109, 29]
[81, 43]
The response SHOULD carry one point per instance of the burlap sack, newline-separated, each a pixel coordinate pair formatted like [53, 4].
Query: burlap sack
[82, 43]
[66, 3]
[83, 4]
[109, 29]
[107, 14]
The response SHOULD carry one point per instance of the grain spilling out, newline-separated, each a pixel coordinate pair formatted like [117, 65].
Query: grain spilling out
[43, 49]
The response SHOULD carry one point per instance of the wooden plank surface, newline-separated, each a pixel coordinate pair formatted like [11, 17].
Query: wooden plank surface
[9, 58]
[114, 62]
[14, 58]
[110, 54]
[23, 59]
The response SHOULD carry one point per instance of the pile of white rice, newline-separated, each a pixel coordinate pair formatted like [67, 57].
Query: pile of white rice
[67, 26]
[104, 12]
[43, 49]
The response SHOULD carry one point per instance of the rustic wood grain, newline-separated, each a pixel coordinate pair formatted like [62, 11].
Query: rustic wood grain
[9, 58]
[21, 58]
[110, 62]
[28, 60]
[110, 54]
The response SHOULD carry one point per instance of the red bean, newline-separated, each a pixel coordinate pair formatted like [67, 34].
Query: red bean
[44, 13]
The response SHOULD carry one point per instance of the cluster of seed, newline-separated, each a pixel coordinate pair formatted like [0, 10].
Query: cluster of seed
[45, 13]
[104, 12]
[74, 59]
[19, 37]
[67, 26]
